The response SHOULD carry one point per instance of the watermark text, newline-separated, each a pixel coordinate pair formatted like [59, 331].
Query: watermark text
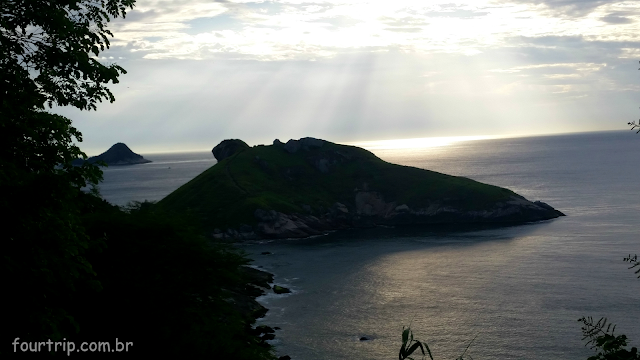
[70, 346]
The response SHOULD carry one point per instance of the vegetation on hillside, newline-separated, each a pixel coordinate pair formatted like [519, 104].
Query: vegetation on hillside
[165, 288]
[75, 268]
[270, 178]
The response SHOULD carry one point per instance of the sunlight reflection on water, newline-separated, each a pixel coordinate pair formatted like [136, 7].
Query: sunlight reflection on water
[418, 144]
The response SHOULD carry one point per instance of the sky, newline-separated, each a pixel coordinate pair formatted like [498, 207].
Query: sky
[200, 71]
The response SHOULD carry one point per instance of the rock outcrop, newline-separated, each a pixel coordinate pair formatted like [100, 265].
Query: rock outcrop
[118, 154]
[369, 209]
[244, 298]
[280, 289]
[308, 143]
[227, 148]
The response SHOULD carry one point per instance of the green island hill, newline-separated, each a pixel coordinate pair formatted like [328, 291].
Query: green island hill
[310, 186]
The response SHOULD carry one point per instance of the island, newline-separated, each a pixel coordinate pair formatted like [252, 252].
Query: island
[118, 154]
[309, 186]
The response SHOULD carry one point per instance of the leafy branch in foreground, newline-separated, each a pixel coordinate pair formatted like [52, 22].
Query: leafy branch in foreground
[410, 345]
[601, 337]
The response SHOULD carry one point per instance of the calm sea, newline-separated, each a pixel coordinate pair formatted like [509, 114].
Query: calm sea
[155, 180]
[517, 290]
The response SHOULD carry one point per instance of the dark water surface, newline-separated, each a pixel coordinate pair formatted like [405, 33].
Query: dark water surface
[155, 180]
[520, 289]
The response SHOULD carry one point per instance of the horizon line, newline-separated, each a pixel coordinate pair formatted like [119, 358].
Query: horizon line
[387, 144]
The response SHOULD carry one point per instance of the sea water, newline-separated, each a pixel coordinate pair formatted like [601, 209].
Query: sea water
[155, 180]
[518, 290]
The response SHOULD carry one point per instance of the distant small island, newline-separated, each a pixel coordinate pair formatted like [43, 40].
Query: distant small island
[309, 186]
[118, 154]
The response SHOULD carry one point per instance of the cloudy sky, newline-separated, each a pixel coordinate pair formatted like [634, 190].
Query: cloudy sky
[200, 71]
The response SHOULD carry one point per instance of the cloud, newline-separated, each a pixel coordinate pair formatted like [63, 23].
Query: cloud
[200, 71]
[304, 30]
[457, 13]
[404, 29]
[403, 21]
[186, 104]
[613, 19]
[571, 49]
[568, 7]
[224, 21]
[339, 21]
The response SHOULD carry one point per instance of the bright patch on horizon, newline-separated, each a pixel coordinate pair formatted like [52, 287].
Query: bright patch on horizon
[418, 143]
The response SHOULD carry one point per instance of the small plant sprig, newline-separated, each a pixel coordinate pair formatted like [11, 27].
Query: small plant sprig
[634, 261]
[465, 350]
[410, 345]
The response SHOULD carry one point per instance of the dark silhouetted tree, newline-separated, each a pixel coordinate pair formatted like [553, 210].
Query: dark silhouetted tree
[73, 265]
[48, 55]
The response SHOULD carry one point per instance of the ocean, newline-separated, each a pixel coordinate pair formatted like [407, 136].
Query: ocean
[155, 180]
[518, 290]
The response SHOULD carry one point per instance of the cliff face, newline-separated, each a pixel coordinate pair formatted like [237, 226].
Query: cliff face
[118, 154]
[308, 186]
[275, 224]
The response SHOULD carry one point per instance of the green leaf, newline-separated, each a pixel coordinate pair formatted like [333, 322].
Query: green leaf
[428, 351]
[405, 335]
[414, 347]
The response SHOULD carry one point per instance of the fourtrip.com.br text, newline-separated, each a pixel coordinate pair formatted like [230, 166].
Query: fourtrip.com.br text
[70, 346]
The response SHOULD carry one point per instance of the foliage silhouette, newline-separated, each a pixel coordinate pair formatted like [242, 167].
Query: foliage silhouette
[47, 56]
[601, 336]
[49, 51]
[166, 288]
[74, 266]
[410, 345]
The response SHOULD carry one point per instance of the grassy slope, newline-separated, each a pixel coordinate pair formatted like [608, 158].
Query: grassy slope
[227, 194]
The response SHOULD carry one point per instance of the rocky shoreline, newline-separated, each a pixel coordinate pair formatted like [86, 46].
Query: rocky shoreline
[369, 210]
[258, 283]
